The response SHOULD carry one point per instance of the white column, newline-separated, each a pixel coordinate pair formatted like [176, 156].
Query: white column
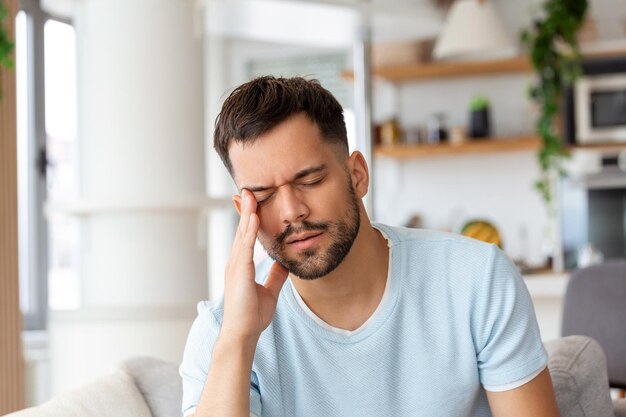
[220, 223]
[142, 179]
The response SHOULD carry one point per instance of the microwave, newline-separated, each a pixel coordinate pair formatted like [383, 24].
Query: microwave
[601, 109]
[594, 111]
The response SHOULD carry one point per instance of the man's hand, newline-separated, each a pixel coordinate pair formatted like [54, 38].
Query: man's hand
[248, 307]
[248, 310]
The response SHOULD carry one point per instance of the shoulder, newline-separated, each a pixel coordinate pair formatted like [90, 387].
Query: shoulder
[210, 313]
[445, 263]
[399, 235]
[430, 242]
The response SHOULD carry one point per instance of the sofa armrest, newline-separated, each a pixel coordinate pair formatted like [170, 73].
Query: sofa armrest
[578, 369]
[159, 383]
[114, 395]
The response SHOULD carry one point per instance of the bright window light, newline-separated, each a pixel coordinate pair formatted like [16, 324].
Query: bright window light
[62, 178]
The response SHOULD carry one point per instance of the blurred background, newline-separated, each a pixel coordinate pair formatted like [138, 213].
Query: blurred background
[125, 219]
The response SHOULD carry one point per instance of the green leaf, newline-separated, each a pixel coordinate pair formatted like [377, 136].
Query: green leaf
[557, 24]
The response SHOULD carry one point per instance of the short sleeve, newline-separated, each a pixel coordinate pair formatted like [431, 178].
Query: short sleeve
[506, 335]
[194, 368]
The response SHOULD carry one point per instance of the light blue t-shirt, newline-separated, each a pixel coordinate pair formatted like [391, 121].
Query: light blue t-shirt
[455, 318]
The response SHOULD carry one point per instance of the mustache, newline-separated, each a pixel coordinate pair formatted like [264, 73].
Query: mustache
[307, 226]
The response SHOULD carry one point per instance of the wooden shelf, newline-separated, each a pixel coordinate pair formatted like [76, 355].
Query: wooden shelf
[448, 69]
[452, 69]
[472, 146]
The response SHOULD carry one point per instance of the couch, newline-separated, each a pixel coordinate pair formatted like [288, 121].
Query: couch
[148, 387]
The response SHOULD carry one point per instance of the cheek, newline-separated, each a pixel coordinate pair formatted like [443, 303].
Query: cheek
[264, 236]
[331, 198]
[268, 221]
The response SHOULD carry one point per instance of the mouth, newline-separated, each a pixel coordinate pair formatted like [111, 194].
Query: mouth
[302, 236]
[305, 240]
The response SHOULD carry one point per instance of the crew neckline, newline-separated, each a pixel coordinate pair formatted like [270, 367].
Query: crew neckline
[376, 319]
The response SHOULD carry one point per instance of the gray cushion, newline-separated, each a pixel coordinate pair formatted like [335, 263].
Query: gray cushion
[595, 306]
[114, 395]
[159, 383]
[578, 369]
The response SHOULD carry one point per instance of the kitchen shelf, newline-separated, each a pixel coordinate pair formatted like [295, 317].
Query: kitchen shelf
[451, 69]
[472, 146]
[402, 73]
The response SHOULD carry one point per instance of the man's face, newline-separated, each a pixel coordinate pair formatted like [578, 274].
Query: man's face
[307, 206]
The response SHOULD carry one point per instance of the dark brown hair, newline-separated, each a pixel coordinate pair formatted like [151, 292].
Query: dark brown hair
[258, 106]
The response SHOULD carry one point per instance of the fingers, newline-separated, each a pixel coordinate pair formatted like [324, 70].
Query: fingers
[244, 216]
[276, 279]
[252, 224]
[245, 237]
[248, 207]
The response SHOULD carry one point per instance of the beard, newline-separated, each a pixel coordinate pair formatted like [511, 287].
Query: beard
[315, 263]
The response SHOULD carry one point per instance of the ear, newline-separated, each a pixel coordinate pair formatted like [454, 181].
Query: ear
[237, 203]
[357, 167]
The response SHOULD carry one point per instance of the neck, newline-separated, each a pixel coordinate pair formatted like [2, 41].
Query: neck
[348, 296]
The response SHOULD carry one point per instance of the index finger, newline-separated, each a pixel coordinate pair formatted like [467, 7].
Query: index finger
[248, 206]
[249, 231]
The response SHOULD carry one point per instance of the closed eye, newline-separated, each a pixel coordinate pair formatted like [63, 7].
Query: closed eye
[264, 199]
[312, 183]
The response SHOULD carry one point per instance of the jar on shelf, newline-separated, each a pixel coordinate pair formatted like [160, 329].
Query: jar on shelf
[436, 131]
[390, 133]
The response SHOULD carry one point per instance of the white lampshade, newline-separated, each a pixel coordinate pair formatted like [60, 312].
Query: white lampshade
[472, 31]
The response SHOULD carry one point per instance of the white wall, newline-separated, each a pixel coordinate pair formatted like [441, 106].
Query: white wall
[447, 191]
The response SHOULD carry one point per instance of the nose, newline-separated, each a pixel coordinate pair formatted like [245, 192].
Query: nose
[293, 208]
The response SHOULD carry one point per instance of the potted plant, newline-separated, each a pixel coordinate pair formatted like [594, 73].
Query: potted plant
[556, 58]
[479, 117]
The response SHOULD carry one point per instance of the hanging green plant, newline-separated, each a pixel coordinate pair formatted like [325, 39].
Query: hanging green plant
[6, 45]
[556, 57]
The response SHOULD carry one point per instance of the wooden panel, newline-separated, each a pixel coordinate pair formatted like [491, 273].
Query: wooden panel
[11, 357]
[472, 146]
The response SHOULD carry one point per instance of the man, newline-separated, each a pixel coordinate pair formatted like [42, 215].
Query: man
[351, 318]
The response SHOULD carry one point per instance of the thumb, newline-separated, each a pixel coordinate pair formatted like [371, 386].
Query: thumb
[276, 280]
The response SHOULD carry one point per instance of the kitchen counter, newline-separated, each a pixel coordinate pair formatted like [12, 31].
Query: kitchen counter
[547, 285]
[547, 291]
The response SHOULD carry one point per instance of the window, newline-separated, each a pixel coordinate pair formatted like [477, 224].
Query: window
[60, 124]
[325, 67]
[46, 127]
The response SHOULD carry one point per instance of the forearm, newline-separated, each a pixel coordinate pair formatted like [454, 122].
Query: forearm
[227, 389]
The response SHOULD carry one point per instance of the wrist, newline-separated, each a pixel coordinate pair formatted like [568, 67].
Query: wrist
[231, 342]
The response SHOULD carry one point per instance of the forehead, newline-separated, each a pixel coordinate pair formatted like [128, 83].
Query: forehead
[276, 156]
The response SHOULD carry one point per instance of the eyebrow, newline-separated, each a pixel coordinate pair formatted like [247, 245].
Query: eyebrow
[300, 174]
